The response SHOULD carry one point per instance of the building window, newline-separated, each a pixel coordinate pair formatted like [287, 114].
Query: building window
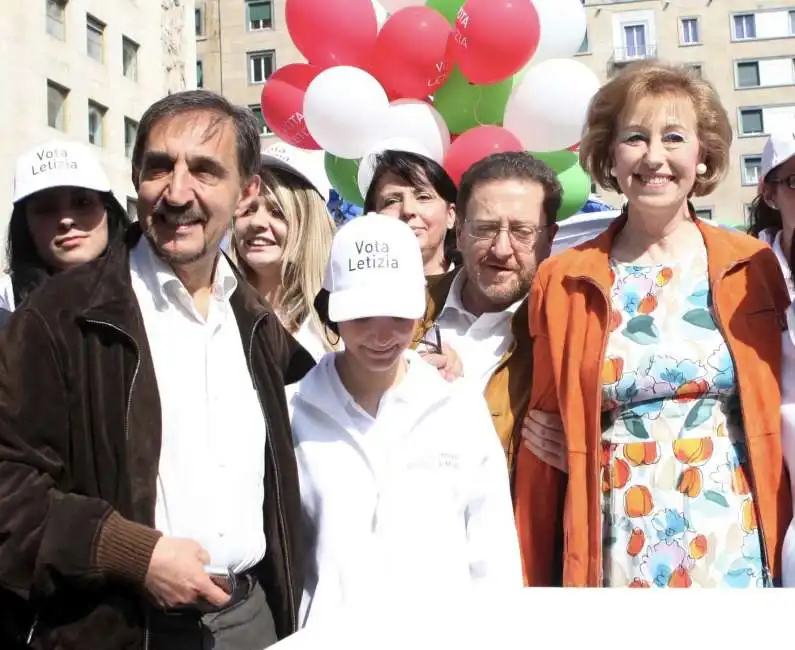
[689, 34]
[585, 46]
[263, 126]
[130, 129]
[132, 208]
[199, 74]
[748, 74]
[129, 58]
[56, 18]
[635, 41]
[792, 22]
[96, 123]
[198, 17]
[704, 213]
[260, 66]
[95, 34]
[56, 105]
[697, 69]
[744, 27]
[752, 169]
[751, 121]
[260, 14]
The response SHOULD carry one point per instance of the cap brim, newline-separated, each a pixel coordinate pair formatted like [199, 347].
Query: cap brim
[272, 161]
[391, 302]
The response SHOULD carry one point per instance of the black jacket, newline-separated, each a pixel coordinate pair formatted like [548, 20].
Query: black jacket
[80, 436]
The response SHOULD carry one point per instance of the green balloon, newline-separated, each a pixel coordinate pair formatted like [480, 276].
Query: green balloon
[342, 174]
[465, 105]
[448, 8]
[575, 182]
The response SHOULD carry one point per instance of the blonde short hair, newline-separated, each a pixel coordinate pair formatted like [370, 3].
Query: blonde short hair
[656, 79]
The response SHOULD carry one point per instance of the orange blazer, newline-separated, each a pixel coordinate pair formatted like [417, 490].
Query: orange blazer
[558, 516]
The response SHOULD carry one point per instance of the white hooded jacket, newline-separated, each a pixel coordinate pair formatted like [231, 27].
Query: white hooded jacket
[414, 501]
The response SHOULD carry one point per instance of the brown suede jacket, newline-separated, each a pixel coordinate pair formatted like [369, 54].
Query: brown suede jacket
[80, 436]
[508, 390]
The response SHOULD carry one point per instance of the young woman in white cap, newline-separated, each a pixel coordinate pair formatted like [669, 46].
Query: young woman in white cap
[403, 479]
[772, 220]
[64, 214]
[282, 243]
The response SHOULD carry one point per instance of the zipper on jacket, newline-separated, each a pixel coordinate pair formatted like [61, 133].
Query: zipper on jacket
[277, 482]
[32, 629]
[719, 322]
[147, 625]
[598, 426]
[135, 372]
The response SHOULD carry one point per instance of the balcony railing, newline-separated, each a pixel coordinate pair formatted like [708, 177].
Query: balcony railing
[624, 55]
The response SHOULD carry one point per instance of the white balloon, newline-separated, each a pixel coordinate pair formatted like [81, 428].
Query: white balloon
[418, 120]
[396, 5]
[345, 110]
[548, 106]
[367, 165]
[563, 24]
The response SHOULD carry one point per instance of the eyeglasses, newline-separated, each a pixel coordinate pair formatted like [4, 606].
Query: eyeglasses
[789, 181]
[431, 342]
[519, 235]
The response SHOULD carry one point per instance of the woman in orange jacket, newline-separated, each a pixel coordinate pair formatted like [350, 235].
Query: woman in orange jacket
[658, 344]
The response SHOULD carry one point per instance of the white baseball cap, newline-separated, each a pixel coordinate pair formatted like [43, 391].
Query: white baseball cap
[375, 269]
[779, 148]
[308, 165]
[59, 163]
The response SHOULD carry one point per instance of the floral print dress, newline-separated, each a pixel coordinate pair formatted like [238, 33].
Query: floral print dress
[677, 504]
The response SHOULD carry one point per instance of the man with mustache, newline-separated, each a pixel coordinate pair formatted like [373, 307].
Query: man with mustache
[148, 488]
[505, 223]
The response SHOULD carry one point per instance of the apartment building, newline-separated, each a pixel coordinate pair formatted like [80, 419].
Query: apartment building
[86, 70]
[746, 48]
[239, 43]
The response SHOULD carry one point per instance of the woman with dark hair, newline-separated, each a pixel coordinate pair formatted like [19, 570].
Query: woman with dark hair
[419, 192]
[773, 222]
[64, 215]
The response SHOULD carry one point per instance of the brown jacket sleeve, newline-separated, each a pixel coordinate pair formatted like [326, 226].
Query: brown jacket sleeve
[48, 533]
[540, 489]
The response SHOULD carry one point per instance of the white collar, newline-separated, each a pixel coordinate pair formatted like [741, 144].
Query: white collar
[773, 239]
[455, 303]
[164, 284]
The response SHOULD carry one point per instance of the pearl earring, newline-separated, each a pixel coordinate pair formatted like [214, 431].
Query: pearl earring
[612, 171]
[701, 169]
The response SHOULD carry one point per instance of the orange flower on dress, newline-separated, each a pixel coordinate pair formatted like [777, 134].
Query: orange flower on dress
[698, 547]
[615, 320]
[641, 453]
[691, 390]
[749, 516]
[664, 276]
[690, 482]
[739, 480]
[680, 578]
[636, 541]
[693, 451]
[612, 370]
[647, 304]
[638, 501]
[637, 583]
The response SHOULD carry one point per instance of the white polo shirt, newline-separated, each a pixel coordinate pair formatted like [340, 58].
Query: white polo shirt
[480, 341]
[210, 484]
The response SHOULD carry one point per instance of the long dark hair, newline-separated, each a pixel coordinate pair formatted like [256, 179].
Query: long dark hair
[417, 171]
[762, 217]
[26, 267]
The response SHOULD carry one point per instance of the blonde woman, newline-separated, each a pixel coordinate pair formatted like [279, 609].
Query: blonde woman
[282, 245]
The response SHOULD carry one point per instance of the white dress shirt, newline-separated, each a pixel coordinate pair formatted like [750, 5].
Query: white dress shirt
[210, 484]
[480, 341]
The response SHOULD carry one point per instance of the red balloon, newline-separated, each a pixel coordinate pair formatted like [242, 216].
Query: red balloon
[282, 103]
[495, 38]
[476, 144]
[333, 32]
[414, 52]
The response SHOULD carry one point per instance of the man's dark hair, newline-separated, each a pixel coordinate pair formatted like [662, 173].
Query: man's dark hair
[417, 171]
[188, 101]
[513, 165]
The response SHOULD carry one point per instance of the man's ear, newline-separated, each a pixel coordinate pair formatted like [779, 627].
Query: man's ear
[249, 194]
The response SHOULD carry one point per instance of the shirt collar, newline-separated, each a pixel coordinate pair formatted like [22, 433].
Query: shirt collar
[163, 283]
[783, 262]
[455, 303]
